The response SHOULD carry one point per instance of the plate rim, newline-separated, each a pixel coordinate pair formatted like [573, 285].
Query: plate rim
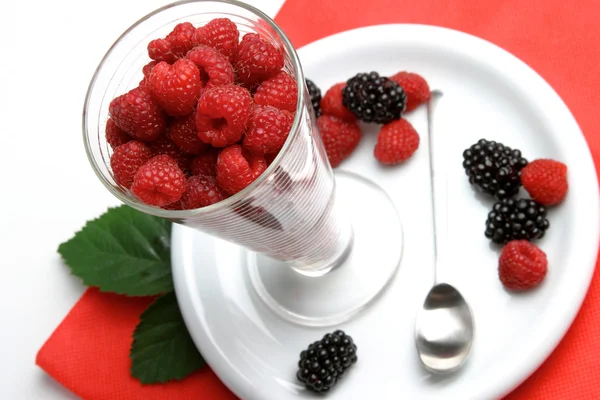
[577, 144]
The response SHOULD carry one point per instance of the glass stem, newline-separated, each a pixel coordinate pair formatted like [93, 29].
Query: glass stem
[323, 266]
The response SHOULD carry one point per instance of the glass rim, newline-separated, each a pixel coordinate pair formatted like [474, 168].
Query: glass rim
[241, 195]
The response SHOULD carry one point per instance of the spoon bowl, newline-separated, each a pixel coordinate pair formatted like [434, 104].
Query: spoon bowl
[444, 330]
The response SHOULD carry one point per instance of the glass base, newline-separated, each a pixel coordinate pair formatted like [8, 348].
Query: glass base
[338, 295]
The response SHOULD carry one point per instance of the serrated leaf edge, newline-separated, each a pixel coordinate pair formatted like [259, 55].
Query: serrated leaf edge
[85, 280]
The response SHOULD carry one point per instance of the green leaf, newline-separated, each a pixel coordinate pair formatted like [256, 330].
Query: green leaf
[123, 251]
[162, 348]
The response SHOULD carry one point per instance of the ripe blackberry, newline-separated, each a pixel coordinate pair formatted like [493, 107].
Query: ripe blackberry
[325, 362]
[374, 98]
[315, 96]
[494, 168]
[512, 219]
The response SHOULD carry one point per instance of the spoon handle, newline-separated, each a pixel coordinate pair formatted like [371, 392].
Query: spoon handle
[438, 197]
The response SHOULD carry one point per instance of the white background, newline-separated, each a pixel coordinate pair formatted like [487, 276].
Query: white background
[48, 54]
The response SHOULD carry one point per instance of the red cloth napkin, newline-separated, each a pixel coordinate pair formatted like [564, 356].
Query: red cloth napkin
[88, 352]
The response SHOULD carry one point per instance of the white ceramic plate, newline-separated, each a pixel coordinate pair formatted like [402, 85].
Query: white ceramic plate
[488, 93]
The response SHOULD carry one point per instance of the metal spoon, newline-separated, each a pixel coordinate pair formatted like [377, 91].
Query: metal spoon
[444, 326]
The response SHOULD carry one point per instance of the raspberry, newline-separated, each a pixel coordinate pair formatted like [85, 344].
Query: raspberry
[396, 142]
[522, 265]
[115, 136]
[268, 129]
[144, 82]
[205, 163]
[183, 133]
[147, 69]
[127, 159]
[201, 191]
[215, 69]
[174, 46]
[181, 38]
[138, 114]
[280, 91]
[256, 60]
[415, 86]
[236, 168]
[332, 104]
[174, 206]
[340, 137]
[546, 181]
[164, 145]
[222, 114]
[160, 50]
[176, 87]
[270, 157]
[221, 34]
[159, 181]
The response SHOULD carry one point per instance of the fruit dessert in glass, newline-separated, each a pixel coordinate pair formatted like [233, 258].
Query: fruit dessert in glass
[200, 113]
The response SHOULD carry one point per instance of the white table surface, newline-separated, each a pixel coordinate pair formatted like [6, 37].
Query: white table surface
[49, 52]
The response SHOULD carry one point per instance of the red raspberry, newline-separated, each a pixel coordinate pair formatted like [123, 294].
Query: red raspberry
[415, 86]
[205, 163]
[236, 168]
[215, 69]
[159, 181]
[165, 146]
[115, 136]
[269, 158]
[340, 137]
[522, 265]
[280, 91]
[268, 129]
[222, 114]
[256, 60]
[546, 181]
[181, 38]
[174, 46]
[183, 133]
[201, 191]
[174, 206]
[144, 82]
[176, 87]
[221, 34]
[160, 50]
[127, 159]
[396, 142]
[331, 103]
[138, 114]
[147, 69]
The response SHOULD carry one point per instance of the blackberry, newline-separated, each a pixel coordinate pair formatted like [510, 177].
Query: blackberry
[512, 219]
[374, 98]
[315, 96]
[325, 362]
[494, 168]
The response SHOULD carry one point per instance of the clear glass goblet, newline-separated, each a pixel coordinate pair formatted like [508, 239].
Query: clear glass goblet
[320, 246]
